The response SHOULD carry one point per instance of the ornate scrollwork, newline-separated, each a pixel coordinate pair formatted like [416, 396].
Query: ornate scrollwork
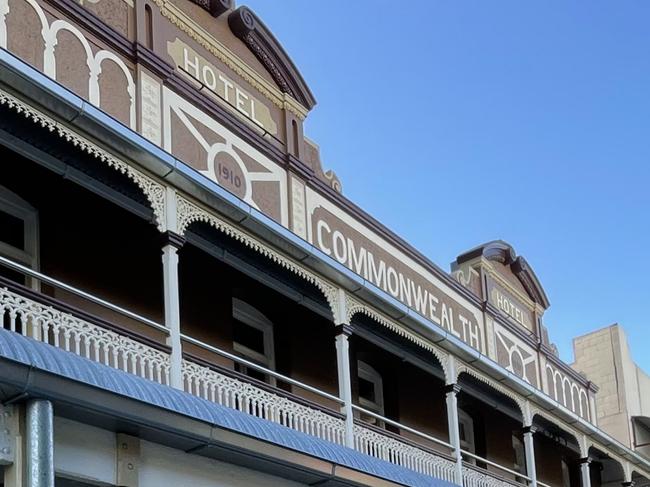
[462, 368]
[188, 213]
[391, 449]
[187, 25]
[230, 392]
[154, 191]
[354, 307]
[80, 337]
[334, 181]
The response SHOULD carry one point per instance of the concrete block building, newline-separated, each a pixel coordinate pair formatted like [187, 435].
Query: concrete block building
[623, 400]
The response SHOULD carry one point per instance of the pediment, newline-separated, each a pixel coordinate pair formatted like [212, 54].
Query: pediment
[512, 268]
[246, 32]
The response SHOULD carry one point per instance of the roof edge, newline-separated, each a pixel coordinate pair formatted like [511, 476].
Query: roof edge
[502, 252]
[248, 27]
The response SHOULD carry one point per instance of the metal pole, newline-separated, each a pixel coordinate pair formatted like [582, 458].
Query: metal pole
[40, 443]
[454, 429]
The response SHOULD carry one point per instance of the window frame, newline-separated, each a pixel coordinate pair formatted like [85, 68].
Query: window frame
[370, 374]
[468, 444]
[520, 453]
[251, 316]
[17, 207]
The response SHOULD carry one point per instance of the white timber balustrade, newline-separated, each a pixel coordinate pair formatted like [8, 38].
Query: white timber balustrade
[230, 392]
[63, 330]
[44, 322]
[246, 397]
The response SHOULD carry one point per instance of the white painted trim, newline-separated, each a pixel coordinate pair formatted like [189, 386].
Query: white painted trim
[252, 317]
[468, 444]
[17, 207]
[371, 375]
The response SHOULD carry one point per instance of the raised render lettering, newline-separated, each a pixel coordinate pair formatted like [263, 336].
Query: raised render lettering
[338, 242]
[320, 226]
[227, 85]
[241, 99]
[189, 65]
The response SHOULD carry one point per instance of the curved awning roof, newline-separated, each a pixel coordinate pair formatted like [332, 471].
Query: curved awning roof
[43, 357]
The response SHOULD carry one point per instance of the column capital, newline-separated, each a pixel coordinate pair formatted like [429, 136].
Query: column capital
[584, 460]
[529, 429]
[452, 388]
[343, 329]
[172, 238]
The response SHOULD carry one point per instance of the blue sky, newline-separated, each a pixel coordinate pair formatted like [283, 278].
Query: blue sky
[456, 123]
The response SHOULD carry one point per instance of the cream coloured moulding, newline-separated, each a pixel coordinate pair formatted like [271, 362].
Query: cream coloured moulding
[186, 24]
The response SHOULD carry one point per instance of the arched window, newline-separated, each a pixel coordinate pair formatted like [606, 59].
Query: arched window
[18, 233]
[253, 339]
[148, 26]
[295, 136]
[371, 391]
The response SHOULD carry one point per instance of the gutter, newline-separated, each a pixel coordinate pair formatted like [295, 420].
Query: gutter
[18, 77]
[107, 410]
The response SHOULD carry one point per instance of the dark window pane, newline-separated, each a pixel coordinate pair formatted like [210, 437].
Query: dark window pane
[12, 230]
[12, 275]
[249, 337]
[250, 372]
[367, 390]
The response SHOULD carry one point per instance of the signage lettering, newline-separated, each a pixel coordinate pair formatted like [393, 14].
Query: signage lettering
[509, 306]
[394, 277]
[220, 85]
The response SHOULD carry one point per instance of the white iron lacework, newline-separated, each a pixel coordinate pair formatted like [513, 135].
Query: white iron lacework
[154, 191]
[465, 369]
[354, 307]
[227, 391]
[399, 453]
[474, 478]
[188, 213]
[419, 460]
[62, 330]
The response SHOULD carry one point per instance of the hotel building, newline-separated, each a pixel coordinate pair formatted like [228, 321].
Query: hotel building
[188, 299]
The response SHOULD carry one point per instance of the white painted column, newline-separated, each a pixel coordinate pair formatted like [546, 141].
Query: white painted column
[172, 307]
[452, 391]
[585, 476]
[343, 332]
[529, 446]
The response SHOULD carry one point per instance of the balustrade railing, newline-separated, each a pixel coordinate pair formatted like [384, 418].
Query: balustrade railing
[209, 384]
[32, 314]
[63, 330]
[422, 459]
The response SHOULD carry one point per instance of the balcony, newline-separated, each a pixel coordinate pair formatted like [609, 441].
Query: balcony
[32, 313]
